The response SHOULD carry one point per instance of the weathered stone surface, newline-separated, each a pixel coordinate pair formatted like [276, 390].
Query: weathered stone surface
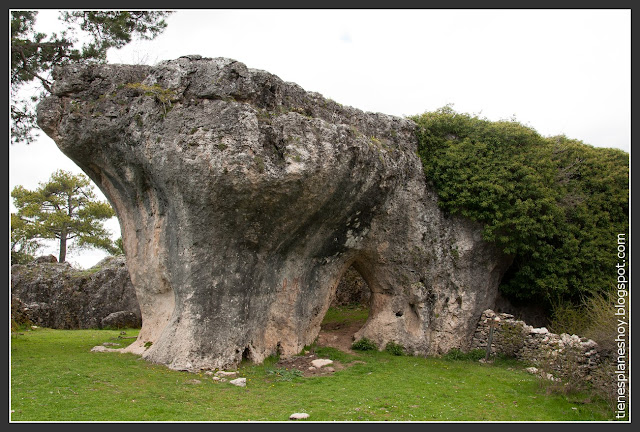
[19, 314]
[562, 354]
[243, 199]
[121, 319]
[46, 259]
[240, 382]
[101, 348]
[56, 295]
[110, 344]
[318, 363]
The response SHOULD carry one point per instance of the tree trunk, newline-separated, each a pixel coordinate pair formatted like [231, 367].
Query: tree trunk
[63, 246]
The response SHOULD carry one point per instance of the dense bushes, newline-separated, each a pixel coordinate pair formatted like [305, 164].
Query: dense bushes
[364, 344]
[555, 204]
[394, 348]
[594, 319]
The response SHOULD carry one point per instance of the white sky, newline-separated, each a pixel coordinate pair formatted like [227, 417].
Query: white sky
[558, 71]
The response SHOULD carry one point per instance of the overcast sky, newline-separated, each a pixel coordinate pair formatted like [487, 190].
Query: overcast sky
[557, 71]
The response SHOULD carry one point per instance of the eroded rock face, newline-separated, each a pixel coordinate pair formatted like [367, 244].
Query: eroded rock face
[243, 199]
[56, 295]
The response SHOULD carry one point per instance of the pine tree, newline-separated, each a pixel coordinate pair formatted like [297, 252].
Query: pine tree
[64, 208]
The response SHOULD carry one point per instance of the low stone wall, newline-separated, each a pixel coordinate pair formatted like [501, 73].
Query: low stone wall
[562, 355]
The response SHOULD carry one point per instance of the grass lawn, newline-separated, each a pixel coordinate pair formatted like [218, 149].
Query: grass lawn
[346, 314]
[55, 377]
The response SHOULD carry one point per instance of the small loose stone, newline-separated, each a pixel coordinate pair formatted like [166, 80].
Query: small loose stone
[240, 382]
[321, 362]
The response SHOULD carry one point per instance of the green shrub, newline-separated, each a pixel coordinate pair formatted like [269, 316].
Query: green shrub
[457, 354]
[364, 344]
[567, 318]
[284, 374]
[592, 319]
[555, 204]
[394, 348]
[476, 354]
[454, 354]
[162, 95]
[603, 324]
[602, 383]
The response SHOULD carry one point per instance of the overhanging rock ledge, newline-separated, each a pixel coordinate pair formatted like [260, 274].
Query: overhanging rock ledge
[243, 199]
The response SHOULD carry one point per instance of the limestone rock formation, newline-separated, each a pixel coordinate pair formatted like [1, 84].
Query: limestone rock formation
[121, 319]
[56, 295]
[243, 199]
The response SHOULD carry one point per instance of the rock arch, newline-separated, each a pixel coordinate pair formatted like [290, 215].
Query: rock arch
[352, 289]
[241, 200]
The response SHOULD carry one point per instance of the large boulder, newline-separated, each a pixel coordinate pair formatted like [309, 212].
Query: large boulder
[243, 199]
[56, 295]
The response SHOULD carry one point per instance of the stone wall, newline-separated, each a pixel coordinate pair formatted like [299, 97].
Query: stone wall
[55, 295]
[562, 354]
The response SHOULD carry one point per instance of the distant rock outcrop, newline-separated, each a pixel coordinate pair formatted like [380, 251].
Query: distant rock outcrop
[55, 295]
[243, 199]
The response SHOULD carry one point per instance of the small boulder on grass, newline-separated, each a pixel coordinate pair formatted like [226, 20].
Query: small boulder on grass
[101, 348]
[298, 416]
[240, 382]
[108, 344]
[318, 363]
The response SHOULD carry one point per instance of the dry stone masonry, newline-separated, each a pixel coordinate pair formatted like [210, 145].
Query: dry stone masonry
[243, 199]
[561, 354]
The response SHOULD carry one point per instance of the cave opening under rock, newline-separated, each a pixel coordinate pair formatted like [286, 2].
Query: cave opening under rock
[349, 310]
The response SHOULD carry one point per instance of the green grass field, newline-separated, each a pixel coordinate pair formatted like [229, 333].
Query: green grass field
[346, 314]
[55, 377]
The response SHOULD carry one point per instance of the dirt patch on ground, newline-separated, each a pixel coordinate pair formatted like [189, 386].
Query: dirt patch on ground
[339, 335]
[303, 364]
[335, 335]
